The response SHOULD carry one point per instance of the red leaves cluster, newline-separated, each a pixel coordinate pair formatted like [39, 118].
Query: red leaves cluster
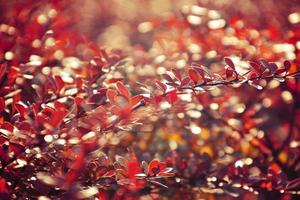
[200, 78]
[64, 113]
[122, 102]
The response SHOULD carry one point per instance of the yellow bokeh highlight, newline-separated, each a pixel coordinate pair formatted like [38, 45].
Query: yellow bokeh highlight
[283, 157]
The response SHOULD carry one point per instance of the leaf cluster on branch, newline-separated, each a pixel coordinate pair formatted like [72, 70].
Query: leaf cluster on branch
[204, 105]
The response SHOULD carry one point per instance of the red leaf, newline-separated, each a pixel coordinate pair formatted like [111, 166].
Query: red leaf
[185, 81]
[24, 126]
[35, 108]
[57, 117]
[4, 191]
[255, 66]
[176, 74]
[2, 104]
[3, 68]
[161, 86]
[135, 100]
[133, 168]
[79, 82]
[41, 118]
[78, 100]
[2, 140]
[47, 111]
[193, 75]
[114, 80]
[123, 90]
[229, 62]
[59, 105]
[155, 167]
[74, 172]
[13, 73]
[152, 166]
[172, 96]
[7, 126]
[157, 99]
[253, 75]
[111, 95]
[59, 83]
[21, 108]
[16, 148]
[229, 72]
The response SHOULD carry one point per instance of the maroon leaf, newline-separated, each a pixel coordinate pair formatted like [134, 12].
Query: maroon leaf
[287, 65]
[293, 184]
[168, 77]
[280, 71]
[229, 62]
[16, 148]
[273, 68]
[199, 69]
[255, 66]
[177, 74]
[264, 64]
[7, 126]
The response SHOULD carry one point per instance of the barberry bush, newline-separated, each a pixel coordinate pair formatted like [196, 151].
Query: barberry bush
[149, 100]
